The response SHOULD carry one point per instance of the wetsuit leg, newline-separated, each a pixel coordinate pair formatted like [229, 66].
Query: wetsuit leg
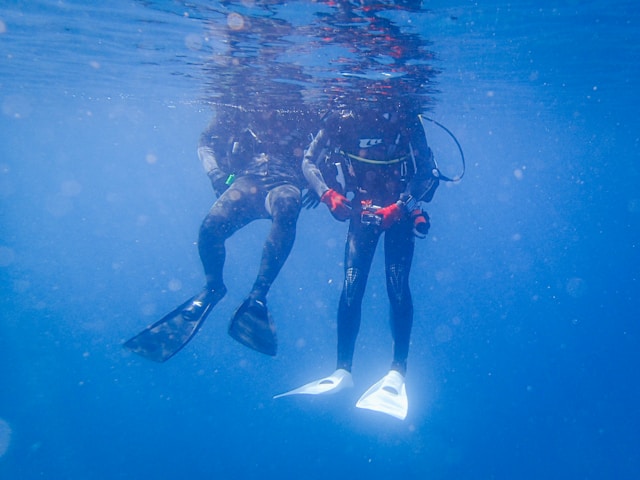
[283, 204]
[359, 249]
[242, 203]
[398, 248]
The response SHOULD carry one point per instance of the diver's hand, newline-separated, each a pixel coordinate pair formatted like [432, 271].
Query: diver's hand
[219, 184]
[421, 223]
[339, 205]
[310, 199]
[390, 215]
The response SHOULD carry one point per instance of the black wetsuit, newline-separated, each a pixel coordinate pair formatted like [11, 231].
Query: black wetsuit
[263, 151]
[382, 158]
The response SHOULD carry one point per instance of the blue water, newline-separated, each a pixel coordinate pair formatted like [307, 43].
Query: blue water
[525, 344]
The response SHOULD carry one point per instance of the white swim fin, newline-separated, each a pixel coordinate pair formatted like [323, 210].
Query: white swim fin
[338, 380]
[388, 395]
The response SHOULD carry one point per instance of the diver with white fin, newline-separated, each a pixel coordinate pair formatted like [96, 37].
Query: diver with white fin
[376, 154]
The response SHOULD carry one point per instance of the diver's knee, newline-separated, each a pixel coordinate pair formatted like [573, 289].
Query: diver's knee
[286, 209]
[397, 282]
[212, 227]
[353, 279]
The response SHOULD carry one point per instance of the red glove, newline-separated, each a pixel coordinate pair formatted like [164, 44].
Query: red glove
[338, 204]
[390, 215]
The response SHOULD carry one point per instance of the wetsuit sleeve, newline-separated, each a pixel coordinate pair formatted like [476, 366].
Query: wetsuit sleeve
[423, 185]
[309, 163]
[207, 148]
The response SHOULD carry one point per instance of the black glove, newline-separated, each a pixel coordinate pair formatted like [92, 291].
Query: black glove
[219, 184]
[310, 199]
[421, 223]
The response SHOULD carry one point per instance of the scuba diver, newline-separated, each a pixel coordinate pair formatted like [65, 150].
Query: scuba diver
[253, 159]
[252, 152]
[372, 166]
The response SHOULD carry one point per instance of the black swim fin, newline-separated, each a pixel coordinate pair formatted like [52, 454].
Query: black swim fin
[253, 327]
[162, 340]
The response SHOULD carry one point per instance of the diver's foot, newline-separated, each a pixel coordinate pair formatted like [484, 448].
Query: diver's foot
[253, 327]
[206, 299]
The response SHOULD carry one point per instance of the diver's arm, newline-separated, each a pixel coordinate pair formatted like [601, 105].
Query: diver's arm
[209, 163]
[338, 204]
[424, 183]
[207, 148]
[309, 167]
[207, 154]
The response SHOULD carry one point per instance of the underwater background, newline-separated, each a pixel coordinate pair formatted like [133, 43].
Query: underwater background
[525, 346]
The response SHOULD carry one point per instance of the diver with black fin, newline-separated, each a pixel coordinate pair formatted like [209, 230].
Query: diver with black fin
[253, 159]
[378, 172]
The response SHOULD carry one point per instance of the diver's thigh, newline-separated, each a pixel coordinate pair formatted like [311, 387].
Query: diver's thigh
[399, 244]
[361, 245]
